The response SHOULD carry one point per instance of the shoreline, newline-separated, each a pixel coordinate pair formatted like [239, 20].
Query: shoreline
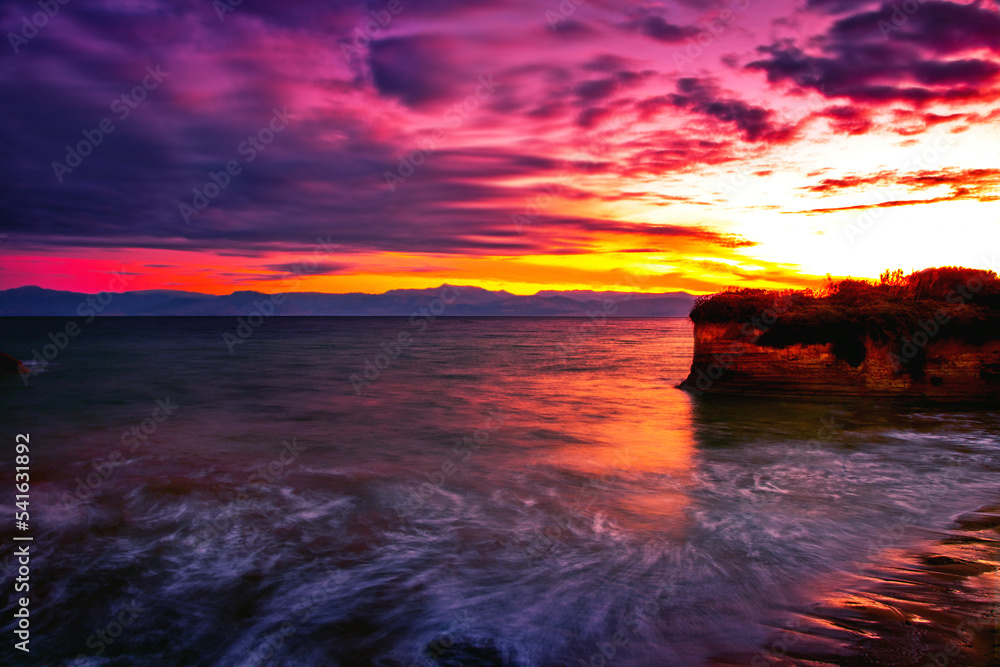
[938, 606]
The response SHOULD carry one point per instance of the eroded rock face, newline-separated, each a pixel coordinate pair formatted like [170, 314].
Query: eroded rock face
[10, 366]
[727, 361]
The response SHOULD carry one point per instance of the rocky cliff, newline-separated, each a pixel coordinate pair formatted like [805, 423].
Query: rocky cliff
[933, 334]
[726, 362]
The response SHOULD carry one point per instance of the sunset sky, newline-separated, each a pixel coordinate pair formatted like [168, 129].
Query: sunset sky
[695, 144]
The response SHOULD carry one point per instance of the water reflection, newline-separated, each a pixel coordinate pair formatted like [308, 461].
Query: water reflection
[600, 492]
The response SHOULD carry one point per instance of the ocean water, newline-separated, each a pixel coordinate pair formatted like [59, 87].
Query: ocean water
[494, 492]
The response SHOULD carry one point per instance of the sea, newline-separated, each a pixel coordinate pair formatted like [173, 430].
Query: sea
[477, 491]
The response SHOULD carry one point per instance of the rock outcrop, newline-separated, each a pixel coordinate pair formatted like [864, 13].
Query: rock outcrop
[933, 334]
[725, 362]
[11, 366]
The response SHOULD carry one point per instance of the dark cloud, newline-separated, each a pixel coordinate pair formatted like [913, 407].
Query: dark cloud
[937, 26]
[548, 110]
[838, 6]
[704, 97]
[308, 268]
[657, 28]
[416, 70]
[599, 89]
[324, 176]
[595, 90]
[606, 62]
[445, 8]
[971, 72]
[572, 29]
[883, 56]
[593, 116]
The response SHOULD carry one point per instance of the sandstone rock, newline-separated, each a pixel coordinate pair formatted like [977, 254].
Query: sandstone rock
[727, 362]
[933, 334]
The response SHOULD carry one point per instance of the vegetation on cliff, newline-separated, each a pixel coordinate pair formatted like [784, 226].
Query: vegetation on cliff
[904, 311]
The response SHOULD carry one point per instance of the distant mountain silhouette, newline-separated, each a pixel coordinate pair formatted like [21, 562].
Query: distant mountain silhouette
[36, 301]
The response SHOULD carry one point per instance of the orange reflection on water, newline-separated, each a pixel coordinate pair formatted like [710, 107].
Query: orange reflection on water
[629, 439]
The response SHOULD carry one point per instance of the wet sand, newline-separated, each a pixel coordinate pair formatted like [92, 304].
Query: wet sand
[939, 608]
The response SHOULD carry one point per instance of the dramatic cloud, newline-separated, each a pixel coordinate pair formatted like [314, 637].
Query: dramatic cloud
[627, 133]
[704, 97]
[292, 269]
[416, 70]
[838, 6]
[941, 52]
[661, 31]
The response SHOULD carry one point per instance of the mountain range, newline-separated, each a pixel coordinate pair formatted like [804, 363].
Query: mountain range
[458, 300]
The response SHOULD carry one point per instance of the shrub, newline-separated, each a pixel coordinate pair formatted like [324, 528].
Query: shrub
[847, 312]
